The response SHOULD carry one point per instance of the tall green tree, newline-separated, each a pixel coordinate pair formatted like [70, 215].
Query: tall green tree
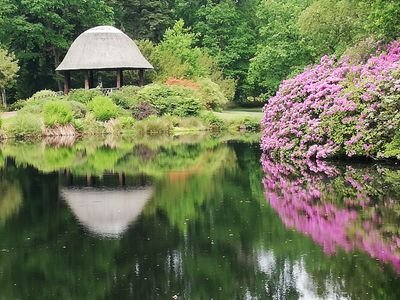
[143, 19]
[332, 26]
[281, 49]
[39, 33]
[8, 71]
[384, 19]
[227, 29]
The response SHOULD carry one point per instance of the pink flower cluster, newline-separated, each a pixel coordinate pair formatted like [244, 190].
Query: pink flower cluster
[316, 204]
[333, 108]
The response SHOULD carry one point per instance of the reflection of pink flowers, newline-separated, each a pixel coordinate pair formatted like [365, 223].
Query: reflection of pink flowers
[301, 198]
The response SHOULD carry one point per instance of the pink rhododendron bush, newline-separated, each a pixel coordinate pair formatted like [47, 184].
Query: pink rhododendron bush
[337, 109]
[344, 208]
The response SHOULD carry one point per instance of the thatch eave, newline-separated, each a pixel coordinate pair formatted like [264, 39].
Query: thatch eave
[104, 48]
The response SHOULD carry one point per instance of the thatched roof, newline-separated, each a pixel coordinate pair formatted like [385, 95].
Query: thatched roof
[107, 213]
[103, 47]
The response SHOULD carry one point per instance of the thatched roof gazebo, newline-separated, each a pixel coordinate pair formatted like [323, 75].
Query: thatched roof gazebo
[102, 48]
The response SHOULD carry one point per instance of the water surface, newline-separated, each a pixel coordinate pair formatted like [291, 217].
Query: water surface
[196, 218]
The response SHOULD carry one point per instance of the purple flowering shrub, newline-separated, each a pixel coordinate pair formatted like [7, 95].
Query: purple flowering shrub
[339, 208]
[336, 109]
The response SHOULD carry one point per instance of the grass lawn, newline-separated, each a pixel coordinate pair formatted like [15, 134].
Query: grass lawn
[240, 113]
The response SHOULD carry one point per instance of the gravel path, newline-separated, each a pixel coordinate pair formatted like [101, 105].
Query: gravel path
[7, 115]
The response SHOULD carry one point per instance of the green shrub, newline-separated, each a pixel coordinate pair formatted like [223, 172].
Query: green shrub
[36, 105]
[126, 122]
[119, 125]
[126, 96]
[393, 148]
[89, 125]
[24, 125]
[44, 94]
[171, 100]
[79, 109]
[83, 96]
[154, 125]
[249, 124]
[143, 110]
[211, 94]
[213, 122]
[103, 108]
[33, 106]
[57, 113]
[17, 105]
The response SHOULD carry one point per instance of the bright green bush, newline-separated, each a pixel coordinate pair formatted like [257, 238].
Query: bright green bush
[171, 100]
[393, 148]
[126, 96]
[24, 125]
[35, 103]
[57, 113]
[103, 108]
[126, 122]
[33, 106]
[178, 106]
[83, 96]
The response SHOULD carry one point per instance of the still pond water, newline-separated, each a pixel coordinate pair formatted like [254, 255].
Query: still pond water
[193, 218]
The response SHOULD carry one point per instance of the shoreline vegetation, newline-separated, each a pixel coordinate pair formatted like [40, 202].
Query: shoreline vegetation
[153, 109]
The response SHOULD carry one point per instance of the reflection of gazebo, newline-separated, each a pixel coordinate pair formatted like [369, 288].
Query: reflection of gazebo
[104, 212]
[102, 48]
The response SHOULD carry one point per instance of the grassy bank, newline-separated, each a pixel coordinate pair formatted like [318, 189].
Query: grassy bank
[154, 109]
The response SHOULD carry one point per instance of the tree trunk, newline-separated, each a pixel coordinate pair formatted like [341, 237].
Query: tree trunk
[56, 56]
[3, 97]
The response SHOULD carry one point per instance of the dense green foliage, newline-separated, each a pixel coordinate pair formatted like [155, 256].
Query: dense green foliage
[174, 107]
[23, 126]
[83, 96]
[8, 71]
[40, 32]
[254, 44]
[103, 108]
[171, 100]
[57, 113]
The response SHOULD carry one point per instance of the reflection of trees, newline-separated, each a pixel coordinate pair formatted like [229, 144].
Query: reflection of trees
[10, 200]
[208, 233]
[95, 157]
[44, 254]
[182, 191]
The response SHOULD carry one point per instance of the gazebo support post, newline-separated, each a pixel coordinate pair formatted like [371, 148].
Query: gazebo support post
[141, 77]
[87, 85]
[67, 81]
[120, 78]
[91, 79]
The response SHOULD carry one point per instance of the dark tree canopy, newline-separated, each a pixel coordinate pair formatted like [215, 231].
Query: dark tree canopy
[257, 43]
